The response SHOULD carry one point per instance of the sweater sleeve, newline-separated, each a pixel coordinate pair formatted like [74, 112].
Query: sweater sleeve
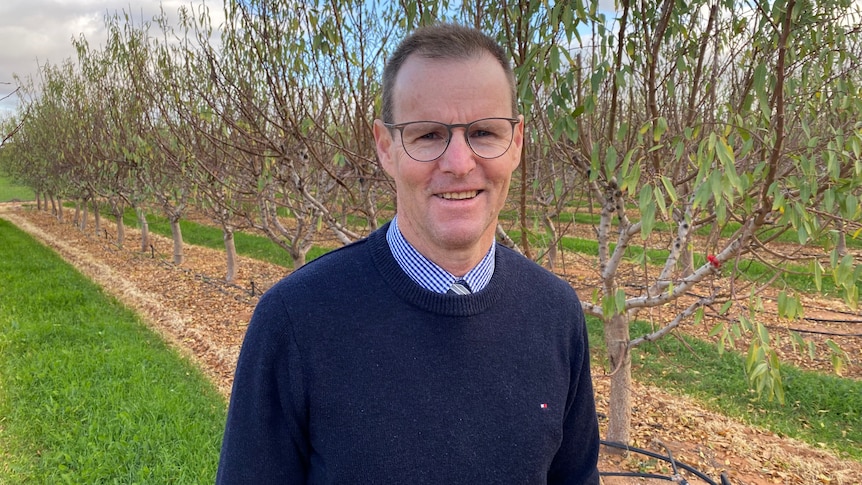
[266, 436]
[576, 460]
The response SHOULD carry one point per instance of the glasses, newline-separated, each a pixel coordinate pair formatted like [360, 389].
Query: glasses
[425, 141]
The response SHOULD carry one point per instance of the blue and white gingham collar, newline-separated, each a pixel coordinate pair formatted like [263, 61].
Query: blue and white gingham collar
[428, 274]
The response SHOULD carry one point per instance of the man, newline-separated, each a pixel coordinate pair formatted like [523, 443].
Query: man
[364, 367]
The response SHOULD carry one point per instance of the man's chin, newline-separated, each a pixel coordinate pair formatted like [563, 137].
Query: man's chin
[460, 236]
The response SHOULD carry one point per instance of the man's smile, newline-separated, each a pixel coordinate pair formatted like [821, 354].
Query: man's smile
[458, 195]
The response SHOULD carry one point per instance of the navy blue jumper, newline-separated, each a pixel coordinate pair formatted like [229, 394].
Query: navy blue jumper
[350, 372]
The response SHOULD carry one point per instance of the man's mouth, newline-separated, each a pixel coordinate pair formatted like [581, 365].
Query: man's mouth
[458, 195]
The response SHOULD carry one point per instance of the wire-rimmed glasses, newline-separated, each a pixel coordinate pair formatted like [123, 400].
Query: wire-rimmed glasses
[425, 141]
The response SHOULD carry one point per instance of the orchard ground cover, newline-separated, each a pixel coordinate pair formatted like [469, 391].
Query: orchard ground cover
[10, 191]
[212, 317]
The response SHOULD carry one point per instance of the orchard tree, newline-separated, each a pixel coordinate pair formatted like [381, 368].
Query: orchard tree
[729, 123]
[301, 89]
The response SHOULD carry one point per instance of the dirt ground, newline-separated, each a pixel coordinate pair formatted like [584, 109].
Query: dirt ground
[205, 319]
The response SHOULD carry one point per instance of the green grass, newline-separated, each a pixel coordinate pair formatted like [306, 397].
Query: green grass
[9, 191]
[822, 410]
[87, 393]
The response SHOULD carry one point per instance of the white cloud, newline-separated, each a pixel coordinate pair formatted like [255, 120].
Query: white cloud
[35, 32]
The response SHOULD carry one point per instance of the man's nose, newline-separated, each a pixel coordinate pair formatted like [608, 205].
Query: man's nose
[458, 157]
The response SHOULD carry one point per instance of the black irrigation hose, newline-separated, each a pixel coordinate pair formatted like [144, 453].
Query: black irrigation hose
[651, 476]
[819, 332]
[854, 321]
[669, 459]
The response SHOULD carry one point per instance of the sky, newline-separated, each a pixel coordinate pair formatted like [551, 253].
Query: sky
[33, 32]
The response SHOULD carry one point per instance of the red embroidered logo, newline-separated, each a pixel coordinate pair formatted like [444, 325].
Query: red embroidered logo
[544, 405]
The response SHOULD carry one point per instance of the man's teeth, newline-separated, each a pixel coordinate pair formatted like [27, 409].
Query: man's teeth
[459, 195]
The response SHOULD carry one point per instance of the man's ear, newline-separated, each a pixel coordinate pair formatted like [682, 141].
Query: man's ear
[518, 138]
[383, 143]
[518, 142]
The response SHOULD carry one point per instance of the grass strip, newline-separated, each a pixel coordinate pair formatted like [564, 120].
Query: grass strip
[88, 394]
[10, 191]
[821, 410]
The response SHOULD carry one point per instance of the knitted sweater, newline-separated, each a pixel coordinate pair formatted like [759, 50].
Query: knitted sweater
[350, 372]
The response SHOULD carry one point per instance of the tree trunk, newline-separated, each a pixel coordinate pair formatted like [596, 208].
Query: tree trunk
[841, 245]
[97, 218]
[619, 357]
[76, 220]
[177, 235]
[145, 230]
[552, 246]
[121, 226]
[85, 214]
[230, 251]
[60, 210]
[522, 208]
[298, 252]
[686, 260]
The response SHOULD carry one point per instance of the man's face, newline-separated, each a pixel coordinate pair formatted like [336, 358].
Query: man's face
[448, 207]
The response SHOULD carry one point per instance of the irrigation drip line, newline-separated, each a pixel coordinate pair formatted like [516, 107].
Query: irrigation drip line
[792, 329]
[222, 286]
[822, 332]
[831, 320]
[676, 465]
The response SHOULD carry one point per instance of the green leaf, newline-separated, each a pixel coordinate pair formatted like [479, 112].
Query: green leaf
[647, 207]
[554, 62]
[659, 199]
[611, 161]
[762, 90]
[797, 341]
[698, 316]
[716, 329]
[763, 333]
[669, 189]
[620, 301]
[660, 129]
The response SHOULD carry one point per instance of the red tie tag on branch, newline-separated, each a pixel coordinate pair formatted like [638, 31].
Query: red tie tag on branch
[713, 261]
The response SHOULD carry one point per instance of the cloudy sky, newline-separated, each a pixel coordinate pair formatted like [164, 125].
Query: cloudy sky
[33, 32]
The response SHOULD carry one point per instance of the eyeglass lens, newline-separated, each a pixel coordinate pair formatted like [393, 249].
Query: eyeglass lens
[428, 140]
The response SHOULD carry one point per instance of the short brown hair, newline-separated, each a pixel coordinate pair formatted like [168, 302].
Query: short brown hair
[443, 41]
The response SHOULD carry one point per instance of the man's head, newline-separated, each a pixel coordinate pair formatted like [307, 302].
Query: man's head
[448, 205]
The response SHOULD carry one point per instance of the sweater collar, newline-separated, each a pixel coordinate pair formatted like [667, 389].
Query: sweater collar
[446, 305]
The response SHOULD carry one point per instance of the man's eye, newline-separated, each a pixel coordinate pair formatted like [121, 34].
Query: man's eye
[427, 134]
[431, 135]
